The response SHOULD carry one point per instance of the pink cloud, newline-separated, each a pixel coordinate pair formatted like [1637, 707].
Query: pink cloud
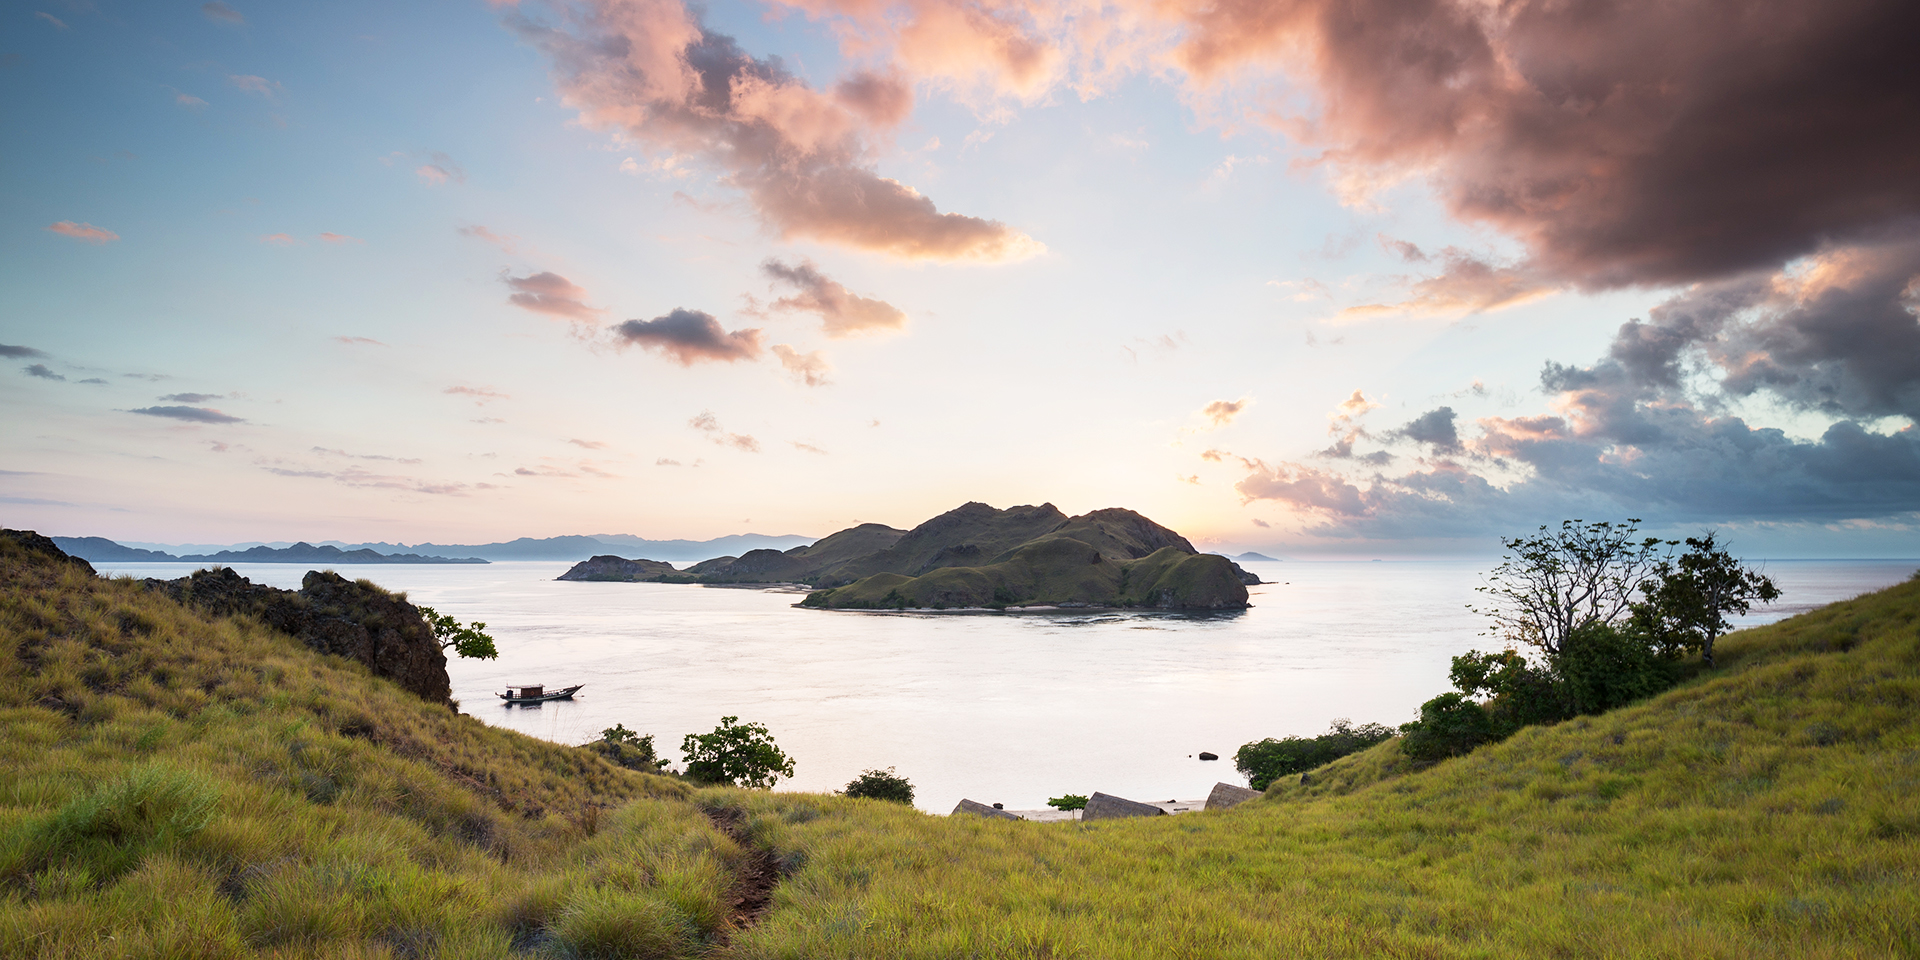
[1467, 284]
[189, 101]
[551, 294]
[808, 368]
[803, 158]
[340, 238]
[439, 170]
[503, 241]
[279, 240]
[1219, 413]
[252, 84]
[707, 423]
[842, 312]
[83, 231]
[481, 395]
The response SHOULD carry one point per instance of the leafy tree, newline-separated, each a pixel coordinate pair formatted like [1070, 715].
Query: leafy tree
[881, 785]
[740, 754]
[466, 640]
[1600, 668]
[1450, 725]
[1517, 692]
[1071, 801]
[1686, 607]
[632, 750]
[1551, 583]
[1265, 761]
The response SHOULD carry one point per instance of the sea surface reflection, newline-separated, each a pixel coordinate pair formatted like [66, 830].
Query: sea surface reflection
[996, 707]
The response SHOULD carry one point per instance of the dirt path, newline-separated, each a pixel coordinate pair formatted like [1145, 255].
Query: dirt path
[753, 880]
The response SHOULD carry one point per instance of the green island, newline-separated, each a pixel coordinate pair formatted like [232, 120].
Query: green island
[976, 557]
[179, 782]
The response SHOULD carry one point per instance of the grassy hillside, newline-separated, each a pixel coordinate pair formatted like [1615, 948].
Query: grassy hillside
[172, 785]
[1766, 810]
[176, 786]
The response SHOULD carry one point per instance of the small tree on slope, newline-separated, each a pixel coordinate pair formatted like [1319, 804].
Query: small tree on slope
[1554, 582]
[740, 754]
[1686, 605]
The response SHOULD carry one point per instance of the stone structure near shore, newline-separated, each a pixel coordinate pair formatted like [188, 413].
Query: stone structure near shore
[979, 809]
[1226, 796]
[1102, 806]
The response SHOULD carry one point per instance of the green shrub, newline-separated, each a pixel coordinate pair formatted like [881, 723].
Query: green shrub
[1268, 760]
[1600, 668]
[881, 785]
[737, 754]
[1450, 725]
[635, 751]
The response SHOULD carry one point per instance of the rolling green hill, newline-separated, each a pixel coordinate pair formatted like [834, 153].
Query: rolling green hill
[179, 785]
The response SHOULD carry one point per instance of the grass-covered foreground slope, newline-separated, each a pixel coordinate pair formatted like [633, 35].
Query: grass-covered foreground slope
[1768, 809]
[177, 786]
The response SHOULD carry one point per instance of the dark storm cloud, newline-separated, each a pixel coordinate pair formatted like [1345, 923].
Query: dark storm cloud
[690, 336]
[1624, 141]
[1434, 427]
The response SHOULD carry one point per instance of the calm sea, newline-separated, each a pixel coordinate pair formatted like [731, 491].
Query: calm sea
[995, 707]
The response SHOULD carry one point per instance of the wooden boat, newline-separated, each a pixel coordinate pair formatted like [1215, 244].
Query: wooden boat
[535, 693]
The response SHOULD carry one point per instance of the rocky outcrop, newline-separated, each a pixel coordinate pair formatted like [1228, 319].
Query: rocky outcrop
[331, 614]
[1103, 806]
[40, 546]
[621, 570]
[979, 809]
[1226, 796]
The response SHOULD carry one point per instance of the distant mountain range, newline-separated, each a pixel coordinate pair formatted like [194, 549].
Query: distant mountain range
[102, 550]
[99, 549]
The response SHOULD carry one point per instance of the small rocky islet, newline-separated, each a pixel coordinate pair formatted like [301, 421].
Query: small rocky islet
[977, 557]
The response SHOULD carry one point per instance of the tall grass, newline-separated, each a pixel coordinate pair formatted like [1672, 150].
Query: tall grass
[178, 786]
[1767, 809]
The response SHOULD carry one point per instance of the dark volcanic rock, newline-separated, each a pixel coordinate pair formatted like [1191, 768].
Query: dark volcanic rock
[331, 614]
[35, 543]
[620, 569]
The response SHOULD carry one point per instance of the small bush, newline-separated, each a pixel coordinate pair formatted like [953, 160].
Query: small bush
[881, 785]
[736, 754]
[1602, 668]
[1268, 760]
[635, 751]
[1449, 725]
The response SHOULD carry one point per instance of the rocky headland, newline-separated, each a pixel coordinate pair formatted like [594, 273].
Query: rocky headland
[331, 614]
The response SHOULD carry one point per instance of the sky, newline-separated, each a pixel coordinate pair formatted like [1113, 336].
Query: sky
[1317, 278]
